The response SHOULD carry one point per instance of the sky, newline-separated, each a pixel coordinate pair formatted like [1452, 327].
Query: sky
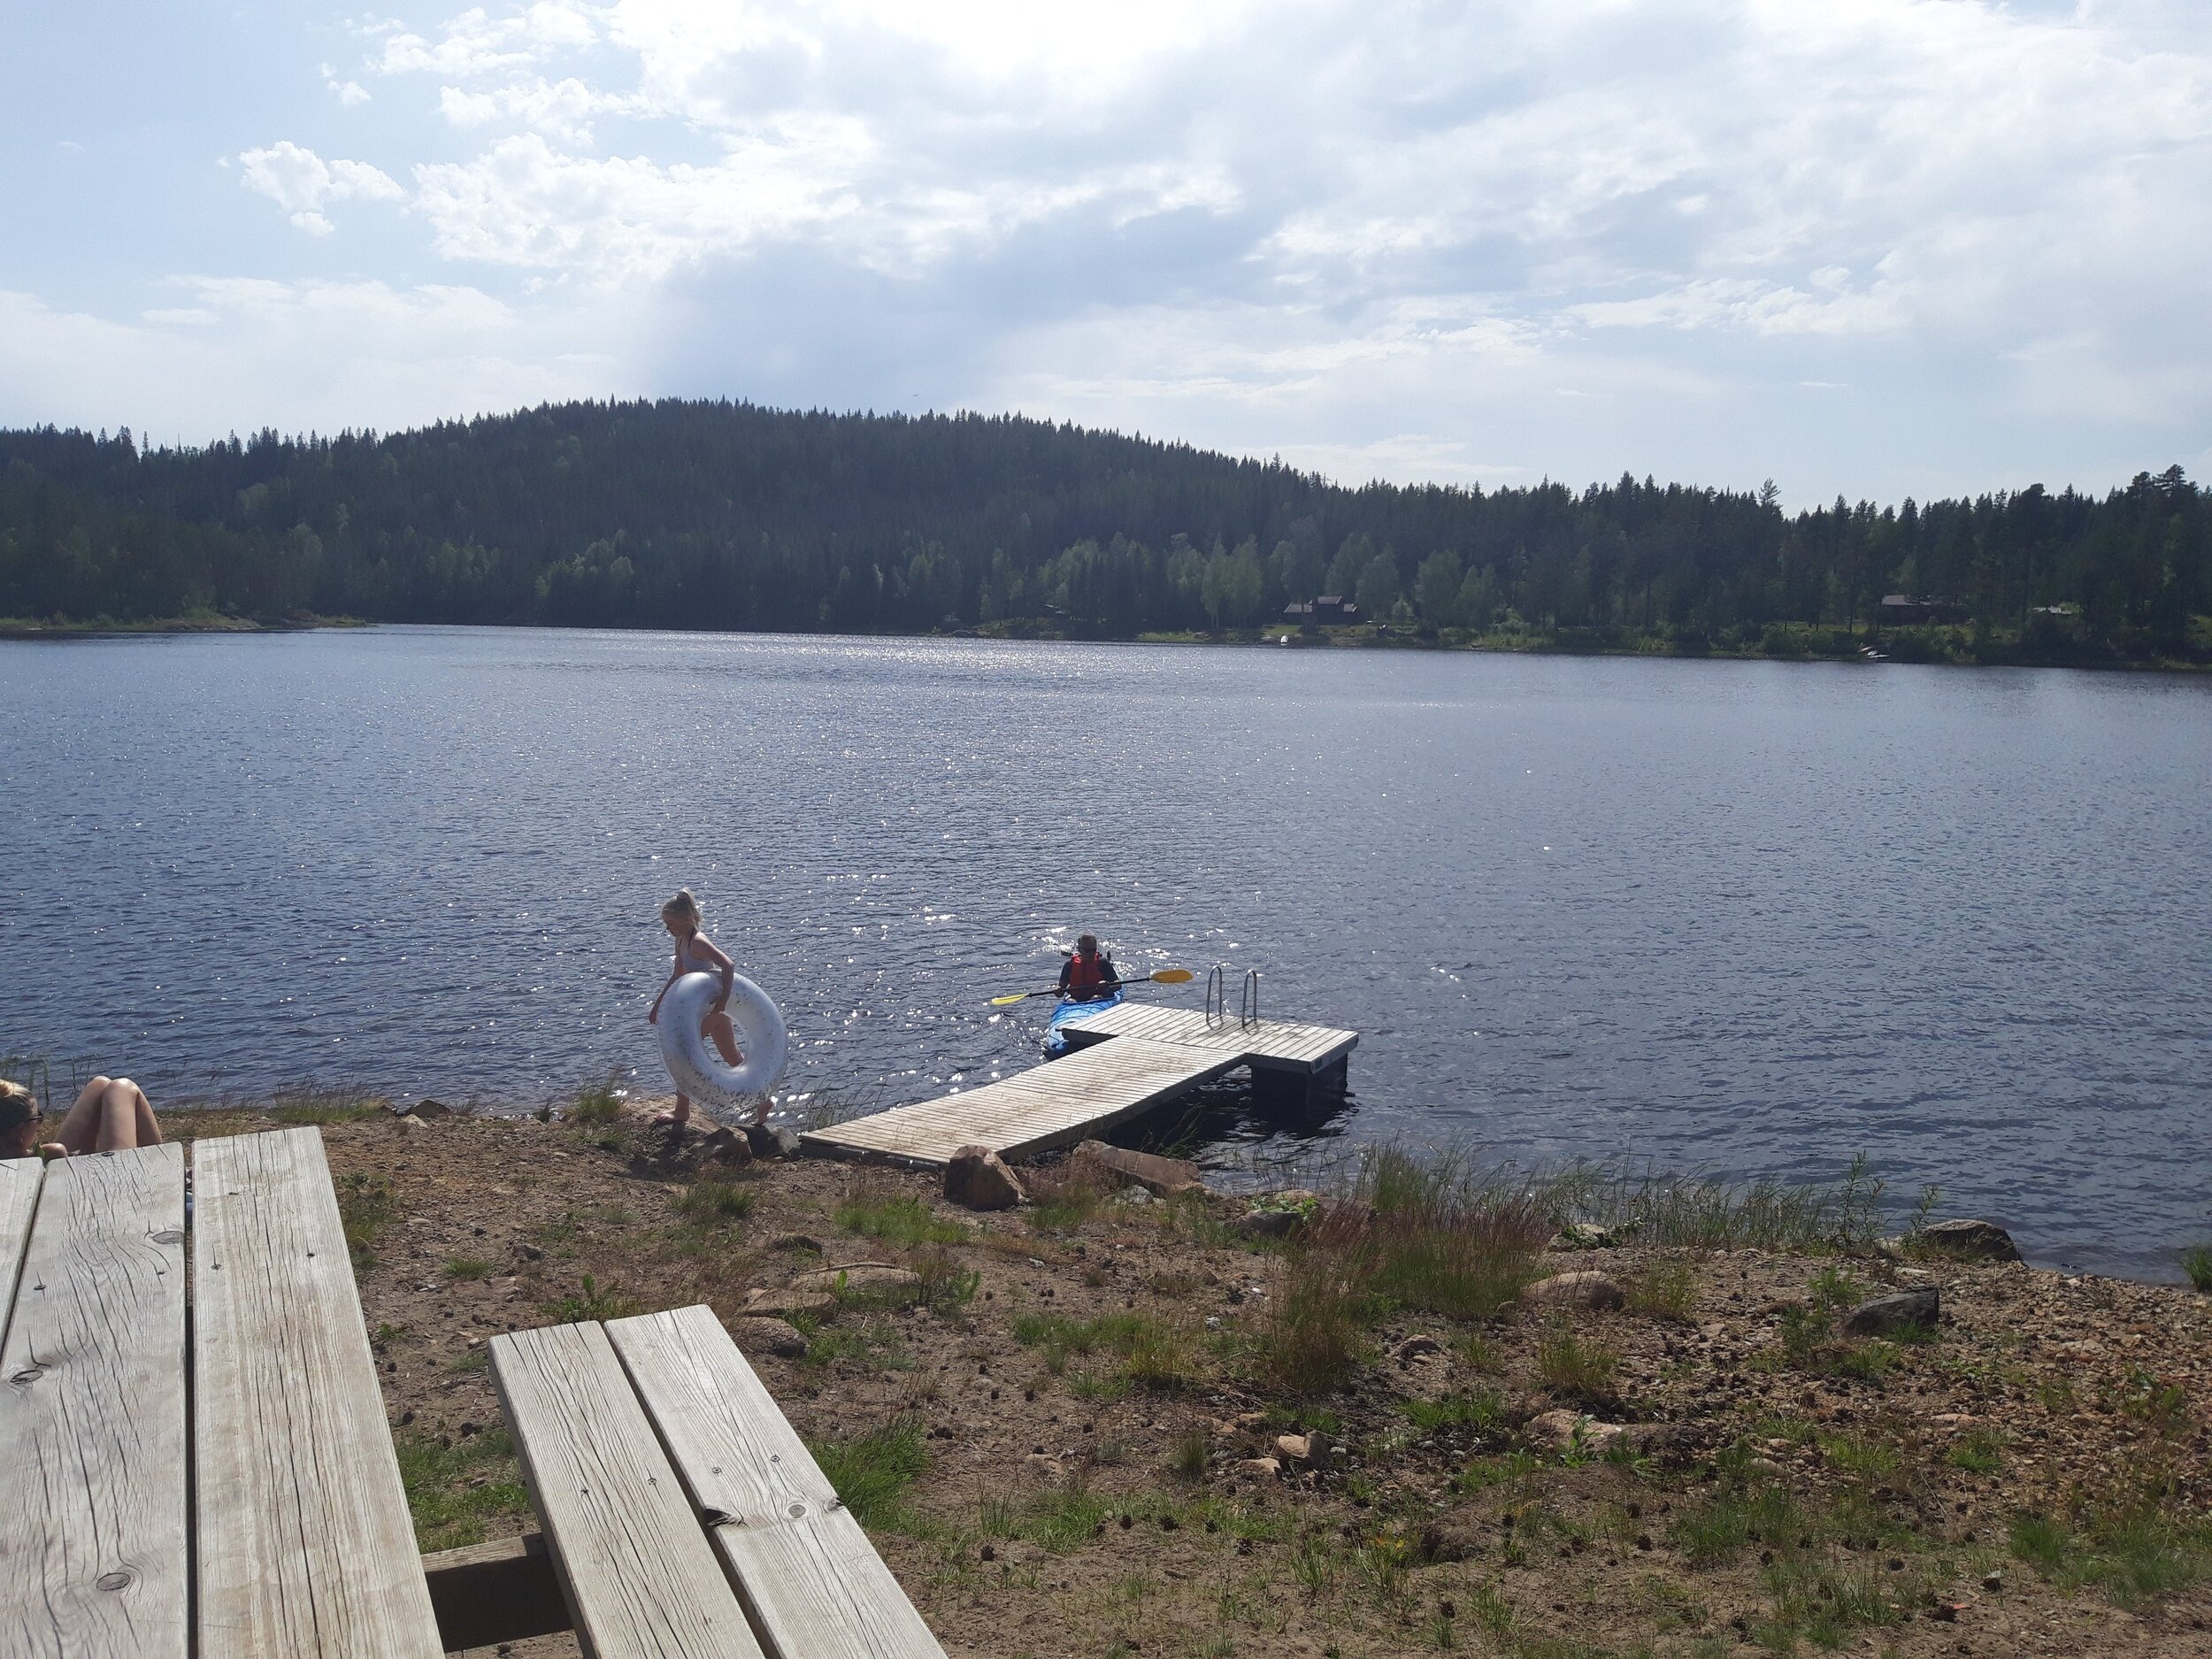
[1865, 247]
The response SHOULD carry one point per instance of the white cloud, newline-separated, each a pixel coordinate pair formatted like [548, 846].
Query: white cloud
[1536, 236]
[249, 352]
[563, 109]
[476, 43]
[300, 182]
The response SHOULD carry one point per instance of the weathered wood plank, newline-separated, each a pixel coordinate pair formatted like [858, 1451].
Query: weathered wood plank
[1055, 1105]
[640, 1577]
[814, 1586]
[19, 1180]
[94, 1540]
[1125, 1060]
[305, 1547]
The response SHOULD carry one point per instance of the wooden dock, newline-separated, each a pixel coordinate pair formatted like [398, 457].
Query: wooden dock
[1125, 1060]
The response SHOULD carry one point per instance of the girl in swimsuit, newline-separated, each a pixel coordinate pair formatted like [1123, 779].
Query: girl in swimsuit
[696, 954]
[110, 1114]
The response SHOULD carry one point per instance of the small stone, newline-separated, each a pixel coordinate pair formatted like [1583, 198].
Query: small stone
[527, 1251]
[978, 1179]
[1458, 1536]
[428, 1109]
[796, 1241]
[1269, 1223]
[1574, 1290]
[1969, 1240]
[1886, 1314]
[1260, 1466]
[1417, 1348]
[766, 1334]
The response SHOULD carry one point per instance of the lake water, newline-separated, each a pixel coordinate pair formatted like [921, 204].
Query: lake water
[1747, 918]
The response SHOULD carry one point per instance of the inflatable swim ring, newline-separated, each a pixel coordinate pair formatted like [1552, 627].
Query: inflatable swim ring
[726, 1091]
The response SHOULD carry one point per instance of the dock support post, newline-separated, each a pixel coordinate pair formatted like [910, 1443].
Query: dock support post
[1278, 1089]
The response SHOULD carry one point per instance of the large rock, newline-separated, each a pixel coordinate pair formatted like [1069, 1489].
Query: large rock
[1316, 1448]
[879, 1279]
[766, 1141]
[1557, 1432]
[1885, 1315]
[978, 1179]
[1574, 1290]
[1097, 1165]
[1969, 1240]
[767, 1335]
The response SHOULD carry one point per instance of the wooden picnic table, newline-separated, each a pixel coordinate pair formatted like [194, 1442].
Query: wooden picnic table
[205, 1470]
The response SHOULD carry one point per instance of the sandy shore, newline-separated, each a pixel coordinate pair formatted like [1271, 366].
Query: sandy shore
[1077, 1449]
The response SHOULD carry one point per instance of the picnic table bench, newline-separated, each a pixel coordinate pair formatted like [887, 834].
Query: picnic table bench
[205, 1470]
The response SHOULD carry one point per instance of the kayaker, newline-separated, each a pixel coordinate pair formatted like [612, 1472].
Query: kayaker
[1088, 975]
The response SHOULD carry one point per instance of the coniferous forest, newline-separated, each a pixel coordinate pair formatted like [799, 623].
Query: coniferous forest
[728, 516]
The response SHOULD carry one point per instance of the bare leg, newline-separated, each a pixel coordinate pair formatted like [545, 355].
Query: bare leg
[110, 1114]
[80, 1125]
[717, 1027]
[682, 1115]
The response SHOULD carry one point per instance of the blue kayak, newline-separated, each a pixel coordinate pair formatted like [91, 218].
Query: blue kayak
[1071, 1012]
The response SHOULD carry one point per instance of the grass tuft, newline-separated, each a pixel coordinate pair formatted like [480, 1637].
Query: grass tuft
[1666, 1289]
[593, 1302]
[599, 1101]
[715, 1201]
[1576, 1369]
[875, 1212]
[2136, 1552]
[871, 1472]
[2196, 1262]
[454, 1488]
[367, 1206]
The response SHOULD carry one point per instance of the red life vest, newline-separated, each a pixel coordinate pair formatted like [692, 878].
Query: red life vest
[1085, 975]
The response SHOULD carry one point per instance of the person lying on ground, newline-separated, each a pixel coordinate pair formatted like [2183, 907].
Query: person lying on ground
[110, 1114]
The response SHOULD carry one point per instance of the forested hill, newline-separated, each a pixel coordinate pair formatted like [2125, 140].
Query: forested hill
[728, 516]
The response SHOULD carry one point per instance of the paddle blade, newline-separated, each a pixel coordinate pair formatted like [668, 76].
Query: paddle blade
[1171, 976]
[1001, 1002]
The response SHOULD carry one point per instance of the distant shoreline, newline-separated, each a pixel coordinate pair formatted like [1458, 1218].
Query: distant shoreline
[25, 628]
[1934, 647]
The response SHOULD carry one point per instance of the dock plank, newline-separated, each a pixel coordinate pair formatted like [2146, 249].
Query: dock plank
[640, 1576]
[94, 1559]
[20, 1180]
[1051, 1106]
[812, 1583]
[305, 1547]
[1122, 1060]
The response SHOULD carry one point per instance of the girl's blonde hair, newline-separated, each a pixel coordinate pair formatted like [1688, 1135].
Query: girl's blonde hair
[682, 908]
[18, 1106]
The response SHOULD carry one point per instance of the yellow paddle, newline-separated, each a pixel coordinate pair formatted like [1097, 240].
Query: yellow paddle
[1163, 976]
